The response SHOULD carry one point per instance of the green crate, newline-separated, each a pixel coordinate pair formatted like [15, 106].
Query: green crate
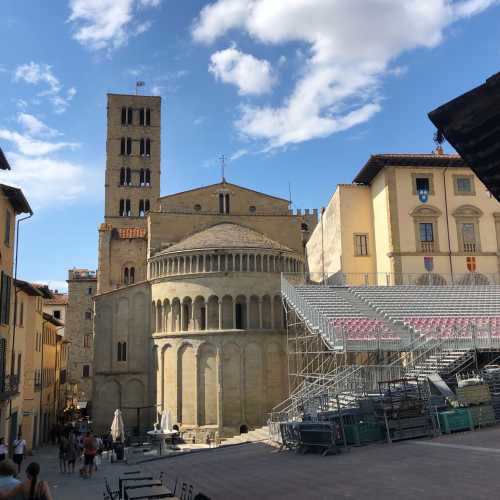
[362, 433]
[482, 415]
[459, 419]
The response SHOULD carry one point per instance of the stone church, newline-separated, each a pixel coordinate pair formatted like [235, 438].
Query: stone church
[188, 314]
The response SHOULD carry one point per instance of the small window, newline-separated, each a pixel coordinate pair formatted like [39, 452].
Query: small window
[129, 146]
[146, 206]
[142, 147]
[8, 217]
[57, 314]
[21, 314]
[127, 208]
[252, 208]
[141, 208]
[142, 116]
[124, 116]
[226, 199]
[90, 290]
[304, 227]
[122, 351]
[86, 371]
[125, 276]
[122, 146]
[422, 184]
[129, 116]
[88, 314]
[148, 177]
[148, 147]
[122, 176]
[87, 341]
[132, 275]
[148, 117]
[361, 244]
[128, 176]
[142, 177]
[464, 185]
[426, 232]
[197, 207]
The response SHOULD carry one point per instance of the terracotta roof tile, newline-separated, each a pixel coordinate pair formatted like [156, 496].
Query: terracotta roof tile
[59, 299]
[127, 233]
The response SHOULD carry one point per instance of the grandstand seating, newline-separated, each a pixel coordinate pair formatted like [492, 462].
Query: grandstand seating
[366, 313]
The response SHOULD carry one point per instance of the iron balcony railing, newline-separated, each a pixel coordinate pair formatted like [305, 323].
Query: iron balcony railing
[9, 386]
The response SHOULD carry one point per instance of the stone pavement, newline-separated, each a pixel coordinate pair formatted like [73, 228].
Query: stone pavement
[458, 466]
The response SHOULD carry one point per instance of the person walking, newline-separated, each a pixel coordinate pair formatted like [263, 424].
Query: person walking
[30, 488]
[4, 450]
[63, 450]
[89, 452]
[19, 445]
[8, 470]
[71, 453]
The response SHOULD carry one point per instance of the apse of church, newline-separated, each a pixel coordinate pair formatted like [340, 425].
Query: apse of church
[197, 327]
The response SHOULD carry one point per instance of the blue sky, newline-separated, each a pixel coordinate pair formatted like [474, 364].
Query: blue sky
[292, 92]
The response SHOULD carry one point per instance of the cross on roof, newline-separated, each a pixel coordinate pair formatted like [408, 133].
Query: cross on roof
[223, 166]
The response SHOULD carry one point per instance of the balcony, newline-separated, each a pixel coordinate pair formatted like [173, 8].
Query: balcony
[427, 246]
[470, 247]
[9, 386]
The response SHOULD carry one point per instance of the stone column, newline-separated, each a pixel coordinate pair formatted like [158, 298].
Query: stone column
[220, 389]
[272, 311]
[181, 315]
[220, 314]
[247, 312]
[196, 387]
[206, 315]
[218, 262]
[234, 314]
[204, 262]
[260, 313]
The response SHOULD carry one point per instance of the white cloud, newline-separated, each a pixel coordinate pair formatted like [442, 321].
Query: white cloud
[38, 73]
[249, 74]
[35, 127]
[107, 24]
[157, 89]
[33, 147]
[238, 154]
[46, 180]
[35, 74]
[21, 104]
[199, 120]
[351, 46]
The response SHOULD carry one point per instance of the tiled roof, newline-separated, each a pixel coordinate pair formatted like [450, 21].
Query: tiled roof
[377, 162]
[226, 235]
[127, 233]
[59, 299]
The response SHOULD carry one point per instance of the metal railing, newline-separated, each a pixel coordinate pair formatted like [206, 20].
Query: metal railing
[338, 278]
[9, 386]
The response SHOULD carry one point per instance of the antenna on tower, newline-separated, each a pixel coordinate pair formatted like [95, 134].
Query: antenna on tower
[138, 84]
[223, 167]
[290, 195]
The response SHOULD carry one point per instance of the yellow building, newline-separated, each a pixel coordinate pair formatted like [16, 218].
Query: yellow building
[49, 384]
[409, 218]
[12, 203]
[29, 328]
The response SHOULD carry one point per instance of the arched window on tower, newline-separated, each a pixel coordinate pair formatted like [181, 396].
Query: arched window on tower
[124, 116]
[142, 180]
[122, 351]
[221, 203]
[141, 147]
[129, 146]
[125, 276]
[148, 117]
[127, 208]
[226, 205]
[146, 206]
[148, 177]
[121, 211]
[122, 176]
[122, 146]
[141, 208]
[132, 275]
[128, 177]
[129, 116]
[148, 147]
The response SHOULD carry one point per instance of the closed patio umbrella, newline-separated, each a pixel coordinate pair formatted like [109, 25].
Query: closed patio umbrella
[117, 427]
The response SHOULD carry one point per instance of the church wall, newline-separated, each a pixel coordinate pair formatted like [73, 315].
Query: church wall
[123, 381]
[241, 200]
[166, 229]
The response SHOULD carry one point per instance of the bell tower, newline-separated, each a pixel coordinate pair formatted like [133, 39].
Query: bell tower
[133, 147]
[132, 188]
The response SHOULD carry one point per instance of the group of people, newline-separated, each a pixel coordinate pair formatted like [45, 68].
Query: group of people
[74, 446]
[29, 489]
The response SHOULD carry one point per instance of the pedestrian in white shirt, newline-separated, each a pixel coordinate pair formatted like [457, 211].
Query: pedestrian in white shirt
[4, 450]
[19, 446]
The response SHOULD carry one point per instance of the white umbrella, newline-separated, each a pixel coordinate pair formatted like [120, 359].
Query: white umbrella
[117, 427]
[166, 421]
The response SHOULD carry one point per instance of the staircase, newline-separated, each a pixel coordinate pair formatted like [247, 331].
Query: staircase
[370, 312]
[256, 435]
[445, 363]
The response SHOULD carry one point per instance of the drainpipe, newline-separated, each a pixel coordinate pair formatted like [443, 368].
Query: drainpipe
[322, 247]
[447, 223]
[12, 353]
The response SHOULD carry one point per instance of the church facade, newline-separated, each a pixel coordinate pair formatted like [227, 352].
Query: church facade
[188, 314]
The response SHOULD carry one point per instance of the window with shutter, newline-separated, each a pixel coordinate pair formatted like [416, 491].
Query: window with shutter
[148, 117]
[129, 116]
